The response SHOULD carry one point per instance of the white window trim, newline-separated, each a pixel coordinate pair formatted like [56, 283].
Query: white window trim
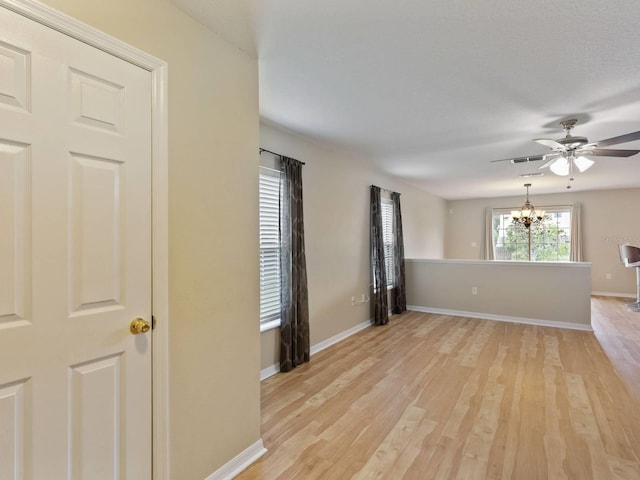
[270, 325]
[546, 208]
[273, 320]
[389, 204]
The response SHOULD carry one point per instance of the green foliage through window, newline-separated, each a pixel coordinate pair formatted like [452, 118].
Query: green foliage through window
[548, 242]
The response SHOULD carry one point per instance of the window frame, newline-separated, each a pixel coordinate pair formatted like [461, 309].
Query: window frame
[552, 209]
[388, 238]
[269, 243]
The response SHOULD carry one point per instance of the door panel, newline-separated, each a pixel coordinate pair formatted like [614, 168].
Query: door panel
[15, 433]
[96, 221]
[96, 418]
[75, 258]
[14, 77]
[97, 102]
[15, 234]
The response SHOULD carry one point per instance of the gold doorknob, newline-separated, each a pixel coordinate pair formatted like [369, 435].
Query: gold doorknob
[139, 325]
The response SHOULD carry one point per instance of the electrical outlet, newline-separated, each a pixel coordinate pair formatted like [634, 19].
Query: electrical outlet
[474, 244]
[608, 276]
[474, 290]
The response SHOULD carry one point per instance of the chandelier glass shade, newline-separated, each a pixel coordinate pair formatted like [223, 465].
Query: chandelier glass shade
[560, 166]
[583, 163]
[563, 165]
[527, 215]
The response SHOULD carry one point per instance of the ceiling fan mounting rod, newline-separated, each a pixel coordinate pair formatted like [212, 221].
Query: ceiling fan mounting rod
[570, 142]
[567, 125]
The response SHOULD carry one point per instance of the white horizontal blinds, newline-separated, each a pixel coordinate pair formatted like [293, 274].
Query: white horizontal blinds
[387, 238]
[269, 245]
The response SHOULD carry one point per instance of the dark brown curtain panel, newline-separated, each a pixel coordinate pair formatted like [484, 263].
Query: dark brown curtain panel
[294, 330]
[399, 290]
[379, 301]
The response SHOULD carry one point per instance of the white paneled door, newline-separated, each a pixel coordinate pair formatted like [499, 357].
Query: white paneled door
[75, 259]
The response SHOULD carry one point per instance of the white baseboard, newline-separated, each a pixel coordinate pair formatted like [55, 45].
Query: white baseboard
[339, 337]
[614, 294]
[503, 318]
[275, 368]
[269, 371]
[241, 461]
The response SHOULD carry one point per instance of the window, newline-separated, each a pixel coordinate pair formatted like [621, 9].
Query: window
[269, 248]
[387, 238]
[550, 242]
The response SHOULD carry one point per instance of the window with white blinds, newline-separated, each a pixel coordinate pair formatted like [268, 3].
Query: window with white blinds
[387, 238]
[269, 247]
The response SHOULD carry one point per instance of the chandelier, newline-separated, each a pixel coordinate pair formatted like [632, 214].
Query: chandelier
[527, 215]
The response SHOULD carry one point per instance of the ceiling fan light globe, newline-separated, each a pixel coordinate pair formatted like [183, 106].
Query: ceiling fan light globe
[583, 163]
[560, 167]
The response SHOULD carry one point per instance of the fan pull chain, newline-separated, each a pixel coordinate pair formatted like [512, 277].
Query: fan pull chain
[569, 183]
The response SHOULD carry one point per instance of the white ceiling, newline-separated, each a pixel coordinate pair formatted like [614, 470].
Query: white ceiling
[432, 91]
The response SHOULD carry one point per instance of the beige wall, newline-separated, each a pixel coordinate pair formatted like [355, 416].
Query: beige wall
[607, 219]
[444, 286]
[213, 141]
[336, 216]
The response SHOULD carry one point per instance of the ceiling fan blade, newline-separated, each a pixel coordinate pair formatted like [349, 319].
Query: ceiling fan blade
[530, 158]
[608, 152]
[629, 137]
[549, 161]
[547, 142]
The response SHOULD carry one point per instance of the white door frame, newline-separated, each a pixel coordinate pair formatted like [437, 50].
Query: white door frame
[160, 213]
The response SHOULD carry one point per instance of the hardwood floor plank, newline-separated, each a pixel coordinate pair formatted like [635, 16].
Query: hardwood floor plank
[478, 445]
[624, 469]
[440, 397]
[554, 443]
[394, 443]
[461, 409]
[443, 460]
[340, 383]
[476, 343]
[480, 439]
[584, 424]
[512, 407]
[412, 450]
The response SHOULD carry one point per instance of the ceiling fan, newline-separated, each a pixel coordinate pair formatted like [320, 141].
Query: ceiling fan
[572, 150]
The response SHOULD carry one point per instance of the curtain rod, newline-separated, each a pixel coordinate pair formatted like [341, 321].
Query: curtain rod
[386, 190]
[277, 154]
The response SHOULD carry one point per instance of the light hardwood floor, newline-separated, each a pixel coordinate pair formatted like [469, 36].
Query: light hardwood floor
[439, 397]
